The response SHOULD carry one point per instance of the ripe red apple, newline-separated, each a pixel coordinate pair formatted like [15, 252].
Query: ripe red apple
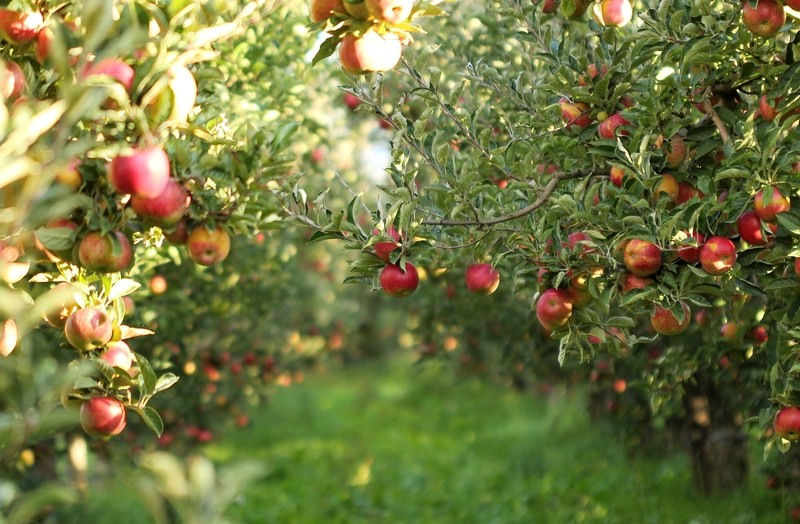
[44, 40]
[351, 101]
[769, 203]
[109, 253]
[787, 423]
[765, 19]
[384, 249]
[20, 28]
[794, 4]
[579, 297]
[759, 335]
[613, 13]
[592, 72]
[207, 247]
[617, 174]
[166, 209]
[677, 153]
[579, 242]
[767, 111]
[88, 328]
[114, 68]
[642, 257]
[691, 254]
[575, 9]
[554, 308]
[797, 266]
[630, 282]
[390, 11]
[370, 53]
[749, 227]
[668, 186]
[143, 172]
[178, 234]
[575, 114]
[158, 284]
[12, 80]
[718, 255]
[549, 6]
[686, 192]
[118, 354]
[608, 127]
[482, 278]
[103, 416]
[665, 322]
[398, 283]
[323, 9]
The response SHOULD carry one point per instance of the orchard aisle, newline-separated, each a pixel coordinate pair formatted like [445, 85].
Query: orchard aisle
[393, 443]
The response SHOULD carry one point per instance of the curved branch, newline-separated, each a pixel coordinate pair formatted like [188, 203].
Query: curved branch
[723, 131]
[545, 194]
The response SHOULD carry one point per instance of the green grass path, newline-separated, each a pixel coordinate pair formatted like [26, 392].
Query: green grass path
[393, 443]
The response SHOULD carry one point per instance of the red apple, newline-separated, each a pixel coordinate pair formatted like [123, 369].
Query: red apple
[351, 101]
[691, 254]
[579, 297]
[665, 322]
[549, 6]
[575, 9]
[384, 249]
[608, 127]
[44, 40]
[718, 255]
[677, 153]
[749, 227]
[323, 9]
[797, 266]
[114, 68]
[617, 174]
[787, 423]
[575, 114]
[668, 186]
[88, 328]
[769, 203]
[208, 247]
[179, 234]
[630, 282]
[158, 284]
[398, 283]
[118, 354]
[390, 11]
[165, 210]
[579, 242]
[109, 253]
[103, 416]
[768, 112]
[759, 335]
[765, 19]
[730, 331]
[20, 28]
[482, 278]
[613, 13]
[642, 258]
[554, 308]
[370, 53]
[686, 192]
[592, 72]
[143, 172]
[12, 80]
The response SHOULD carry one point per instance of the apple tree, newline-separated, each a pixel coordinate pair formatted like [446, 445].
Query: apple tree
[624, 167]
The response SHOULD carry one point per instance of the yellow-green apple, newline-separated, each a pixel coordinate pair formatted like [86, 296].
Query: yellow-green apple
[765, 19]
[608, 127]
[575, 114]
[769, 203]
[165, 210]
[668, 186]
[356, 8]
[390, 11]
[370, 53]
[691, 253]
[323, 9]
[642, 257]
[18, 27]
[718, 255]
[482, 278]
[787, 423]
[665, 322]
[88, 328]
[749, 226]
[677, 152]
[9, 336]
[630, 282]
[397, 282]
[142, 172]
[114, 68]
[103, 416]
[554, 308]
[68, 174]
[208, 246]
[730, 331]
[617, 174]
[109, 253]
[119, 355]
[613, 13]
[12, 80]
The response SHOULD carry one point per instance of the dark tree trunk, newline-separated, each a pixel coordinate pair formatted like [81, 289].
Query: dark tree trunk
[718, 446]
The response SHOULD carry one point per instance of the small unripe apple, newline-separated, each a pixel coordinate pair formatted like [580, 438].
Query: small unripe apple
[665, 322]
[143, 172]
[88, 328]
[103, 416]
[208, 247]
[370, 53]
[397, 282]
[482, 278]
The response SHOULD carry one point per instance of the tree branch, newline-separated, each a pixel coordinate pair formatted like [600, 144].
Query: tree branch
[723, 131]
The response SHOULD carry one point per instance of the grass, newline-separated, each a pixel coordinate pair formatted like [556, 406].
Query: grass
[391, 443]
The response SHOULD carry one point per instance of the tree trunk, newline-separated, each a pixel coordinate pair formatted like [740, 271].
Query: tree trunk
[718, 446]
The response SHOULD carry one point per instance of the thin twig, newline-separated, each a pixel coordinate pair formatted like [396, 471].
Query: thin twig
[723, 131]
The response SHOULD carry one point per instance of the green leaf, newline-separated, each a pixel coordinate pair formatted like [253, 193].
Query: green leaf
[123, 287]
[149, 380]
[152, 419]
[166, 381]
